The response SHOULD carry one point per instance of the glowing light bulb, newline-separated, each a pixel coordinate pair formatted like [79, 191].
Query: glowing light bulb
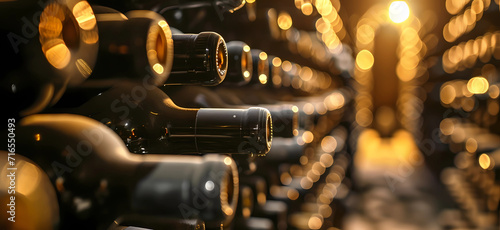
[399, 11]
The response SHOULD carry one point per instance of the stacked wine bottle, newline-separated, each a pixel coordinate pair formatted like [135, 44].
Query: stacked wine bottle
[117, 120]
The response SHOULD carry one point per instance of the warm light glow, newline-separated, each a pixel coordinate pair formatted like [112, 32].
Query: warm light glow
[386, 154]
[83, 67]
[328, 144]
[308, 108]
[308, 137]
[263, 79]
[306, 8]
[471, 145]
[364, 117]
[315, 222]
[50, 26]
[29, 180]
[454, 6]
[162, 23]
[306, 183]
[399, 11]
[365, 34]
[494, 91]
[305, 73]
[286, 66]
[246, 48]
[250, 1]
[298, 3]
[37, 137]
[58, 55]
[158, 68]
[447, 127]
[276, 62]
[447, 94]
[284, 21]
[334, 101]
[261, 198]
[321, 108]
[263, 56]
[246, 74]
[228, 211]
[292, 194]
[324, 7]
[364, 60]
[326, 160]
[228, 161]
[84, 15]
[333, 17]
[478, 85]
[285, 178]
[322, 25]
[90, 36]
[405, 74]
[276, 80]
[158, 48]
[485, 161]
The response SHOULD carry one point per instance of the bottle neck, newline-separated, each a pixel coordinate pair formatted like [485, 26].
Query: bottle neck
[199, 59]
[240, 66]
[242, 131]
[284, 116]
[206, 130]
[148, 121]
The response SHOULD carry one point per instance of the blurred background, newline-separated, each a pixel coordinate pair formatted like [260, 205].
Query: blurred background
[397, 102]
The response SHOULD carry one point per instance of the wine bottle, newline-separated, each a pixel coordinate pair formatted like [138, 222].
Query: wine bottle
[137, 46]
[240, 64]
[76, 41]
[285, 119]
[42, 53]
[198, 59]
[148, 121]
[98, 180]
[26, 192]
[155, 222]
[276, 73]
[260, 67]
[284, 116]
